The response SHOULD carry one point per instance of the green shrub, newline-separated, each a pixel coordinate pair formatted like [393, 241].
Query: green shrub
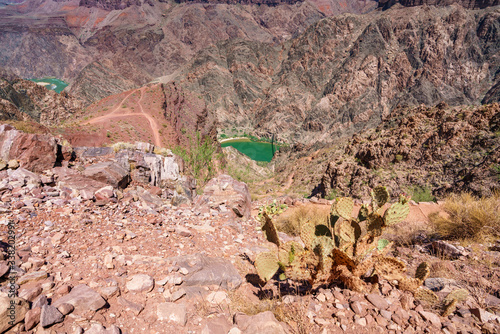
[421, 194]
[199, 157]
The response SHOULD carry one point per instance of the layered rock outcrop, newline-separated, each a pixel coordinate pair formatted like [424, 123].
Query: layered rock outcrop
[25, 100]
[34, 152]
[441, 149]
[470, 4]
[344, 74]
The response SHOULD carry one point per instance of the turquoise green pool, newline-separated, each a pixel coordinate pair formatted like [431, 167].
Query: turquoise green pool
[52, 83]
[258, 151]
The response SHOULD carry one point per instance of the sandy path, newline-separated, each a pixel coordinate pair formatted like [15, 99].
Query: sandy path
[152, 123]
[108, 116]
[155, 129]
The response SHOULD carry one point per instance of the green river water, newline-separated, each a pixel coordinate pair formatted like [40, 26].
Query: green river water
[53, 83]
[258, 151]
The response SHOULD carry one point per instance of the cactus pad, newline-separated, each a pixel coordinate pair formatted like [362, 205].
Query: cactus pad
[448, 309]
[380, 196]
[270, 230]
[323, 246]
[459, 295]
[364, 246]
[374, 225]
[266, 265]
[342, 259]
[307, 234]
[426, 295]
[344, 207]
[363, 213]
[409, 284]
[382, 243]
[348, 231]
[390, 268]
[423, 271]
[396, 213]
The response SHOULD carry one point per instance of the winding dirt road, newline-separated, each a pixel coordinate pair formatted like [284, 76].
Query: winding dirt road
[119, 112]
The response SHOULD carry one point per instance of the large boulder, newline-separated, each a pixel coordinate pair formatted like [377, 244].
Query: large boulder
[109, 172]
[226, 190]
[158, 170]
[34, 152]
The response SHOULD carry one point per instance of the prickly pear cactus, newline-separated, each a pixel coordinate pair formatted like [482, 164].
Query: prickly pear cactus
[344, 207]
[270, 230]
[363, 213]
[390, 268]
[426, 296]
[449, 304]
[266, 265]
[423, 271]
[380, 196]
[307, 234]
[396, 213]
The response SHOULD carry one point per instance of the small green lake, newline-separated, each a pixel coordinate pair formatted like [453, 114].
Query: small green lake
[255, 150]
[52, 83]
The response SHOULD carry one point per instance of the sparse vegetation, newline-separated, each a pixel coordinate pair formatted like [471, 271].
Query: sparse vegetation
[199, 156]
[469, 217]
[122, 146]
[421, 194]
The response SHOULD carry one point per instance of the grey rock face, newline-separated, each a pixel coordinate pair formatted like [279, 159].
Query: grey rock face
[83, 298]
[205, 270]
[50, 315]
[109, 172]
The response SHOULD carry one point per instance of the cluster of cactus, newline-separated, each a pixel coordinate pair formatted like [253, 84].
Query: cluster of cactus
[272, 209]
[347, 249]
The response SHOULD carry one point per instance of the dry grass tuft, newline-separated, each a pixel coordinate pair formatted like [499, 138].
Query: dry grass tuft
[293, 314]
[469, 218]
[408, 234]
[292, 219]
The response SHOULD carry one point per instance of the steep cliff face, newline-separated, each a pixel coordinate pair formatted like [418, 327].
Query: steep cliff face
[24, 100]
[109, 46]
[345, 74]
[470, 4]
[113, 4]
[439, 148]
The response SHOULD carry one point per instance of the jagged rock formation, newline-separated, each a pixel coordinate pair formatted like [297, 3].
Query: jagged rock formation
[113, 4]
[470, 4]
[344, 74]
[440, 148]
[113, 45]
[24, 100]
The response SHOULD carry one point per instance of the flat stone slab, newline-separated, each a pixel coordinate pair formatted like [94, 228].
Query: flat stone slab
[205, 270]
[83, 298]
[50, 315]
[32, 277]
[172, 312]
[140, 283]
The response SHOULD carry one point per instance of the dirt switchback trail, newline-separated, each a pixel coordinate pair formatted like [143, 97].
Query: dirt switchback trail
[152, 123]
[111, 114]
[119, 112]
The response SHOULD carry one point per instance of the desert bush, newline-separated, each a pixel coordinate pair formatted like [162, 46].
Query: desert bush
[199, 156]
[122, 146]
[468, 217]
[421, 194]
